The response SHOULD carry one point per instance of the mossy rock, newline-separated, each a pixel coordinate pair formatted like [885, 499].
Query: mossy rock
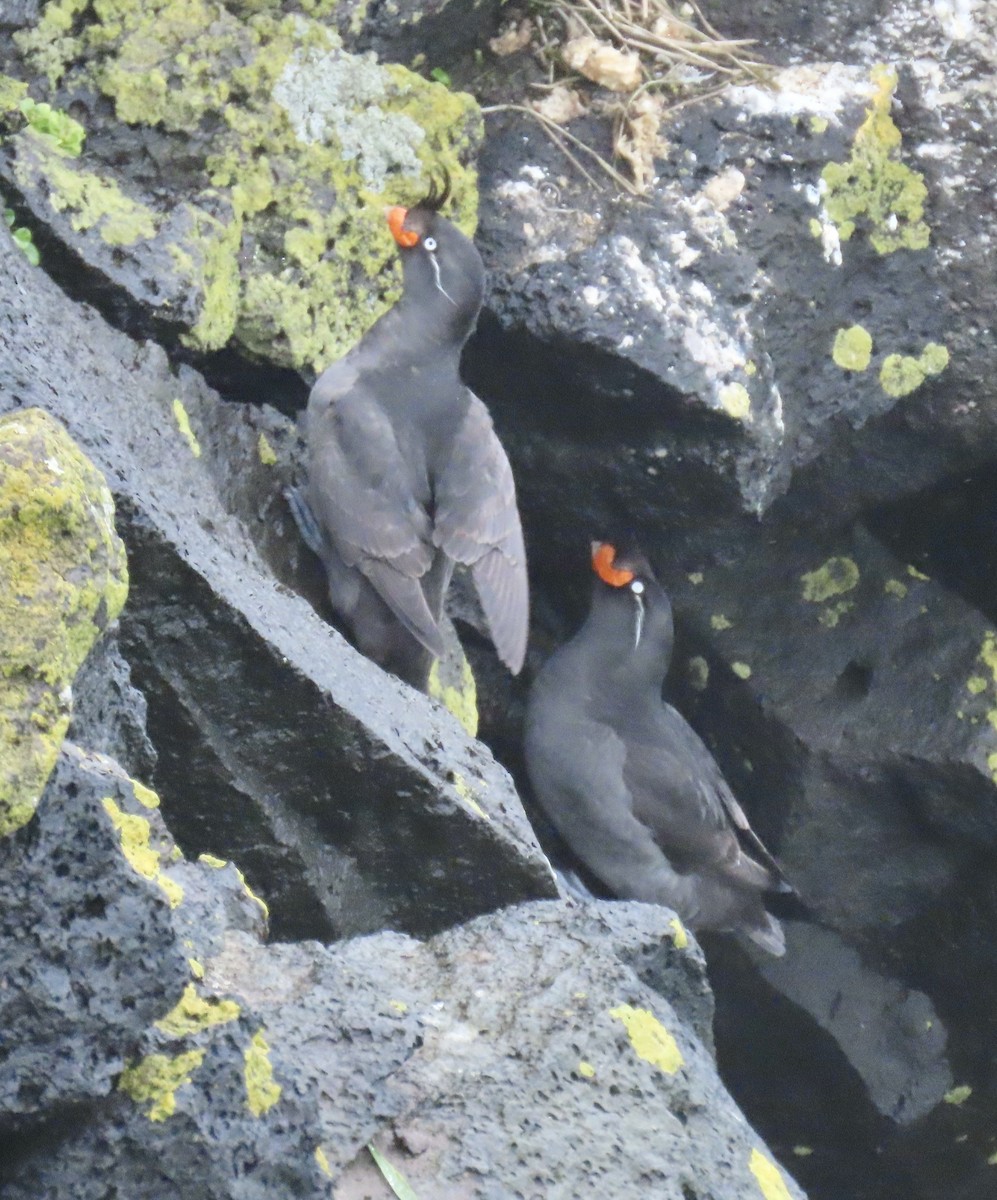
[63, 579]
[278, 151]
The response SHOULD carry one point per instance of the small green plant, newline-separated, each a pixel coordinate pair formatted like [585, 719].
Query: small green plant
[22, 238]
[57, 126]
[440, 76]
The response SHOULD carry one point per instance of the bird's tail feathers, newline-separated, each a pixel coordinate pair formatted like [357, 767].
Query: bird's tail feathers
[406, 599]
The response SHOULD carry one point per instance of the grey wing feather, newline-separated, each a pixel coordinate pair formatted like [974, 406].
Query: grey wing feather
[477, 524]
[359, 492]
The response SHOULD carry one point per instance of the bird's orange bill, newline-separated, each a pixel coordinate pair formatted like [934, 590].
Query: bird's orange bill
[396, 223]
[603, 557]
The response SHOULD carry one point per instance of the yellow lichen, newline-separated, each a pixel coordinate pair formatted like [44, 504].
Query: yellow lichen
[262, 1092]
[719, 622]
[976, 684]
[679, 936]
[695, 577]
[144, 795]
[769, 1177]
[63, 579]
[958, 1095]
[901, 374]
[914, 573]
[736, 401]
[183, 424]
[698, 673]
[192, 1013]
[323, 1161]
[257, 900]
[874, 190]
[463, 789]
[156, 1080]
[837, 576]
[456, 690]
[266, 452]
[93, 202]
[196, 968]
[741, 670]
[586, 1070]
[210, 860]
[649, 1038]
[399, 1006]
[893, 587]
[852, 348]
[134, 832]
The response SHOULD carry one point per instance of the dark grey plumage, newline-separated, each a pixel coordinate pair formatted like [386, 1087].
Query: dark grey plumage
[625, 779]
[406, 477]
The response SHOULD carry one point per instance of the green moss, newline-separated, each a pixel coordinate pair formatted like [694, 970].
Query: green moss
[262, 1092]
[134, 832]
[455, 688]
[155, 1080]
[193, 1014]
[852, 348]
[62, 131]
[63, 579]
[875, 191]
[837, 576]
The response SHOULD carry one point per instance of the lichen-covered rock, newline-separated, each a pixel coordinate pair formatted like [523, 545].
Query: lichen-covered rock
[63, 580]
[238, 192]
[352, 803]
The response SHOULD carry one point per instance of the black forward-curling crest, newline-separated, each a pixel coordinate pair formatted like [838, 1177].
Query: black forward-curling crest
[437, 195]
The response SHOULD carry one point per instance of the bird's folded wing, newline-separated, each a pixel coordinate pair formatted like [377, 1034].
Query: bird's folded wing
[577, 772]
[477, 524]
[359, 492]
[680, 794]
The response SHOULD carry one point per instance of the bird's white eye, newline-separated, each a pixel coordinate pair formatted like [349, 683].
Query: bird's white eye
[429, 243]
[637, 588]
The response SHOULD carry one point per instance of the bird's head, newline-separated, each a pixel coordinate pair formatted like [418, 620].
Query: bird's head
[632, 604]
[444, 277]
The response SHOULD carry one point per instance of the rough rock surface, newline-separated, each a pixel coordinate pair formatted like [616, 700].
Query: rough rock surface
[791, 332]
[359, 788]
[161, 1049]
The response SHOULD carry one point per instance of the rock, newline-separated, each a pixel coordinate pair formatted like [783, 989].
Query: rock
[237, 194]
[351, 803]
[63, 579]
[518, 1052]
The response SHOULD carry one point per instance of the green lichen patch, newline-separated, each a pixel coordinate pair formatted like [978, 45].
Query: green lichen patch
[895, 588]
[266, 452]
[63, 579]
[835, 577]
[454, 686]
[262, 1091]
[901, 374]
[741, 670]
[12, 92]
[90, 201]
[135, 834]
[874, 191]
[155, 1080]
[290, 254]
[183, 424]
[736, 401]
[650, 1039]
[852, 348]
[768, 1177]
[193, 1014]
